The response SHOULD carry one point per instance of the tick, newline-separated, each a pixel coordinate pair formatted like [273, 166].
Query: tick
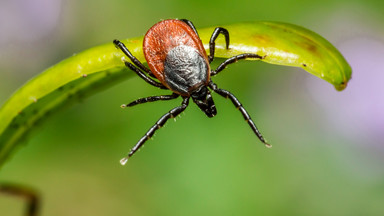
[178, 62]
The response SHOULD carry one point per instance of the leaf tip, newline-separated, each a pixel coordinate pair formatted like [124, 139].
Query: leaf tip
[341, 86]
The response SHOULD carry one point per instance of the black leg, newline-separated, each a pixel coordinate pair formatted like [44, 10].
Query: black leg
[235, 59]
[171, 114]
[190, 25]
[27, 193]
[215, 34]
[240, 107]
[143, 76]
[135, 61]
[150, 99]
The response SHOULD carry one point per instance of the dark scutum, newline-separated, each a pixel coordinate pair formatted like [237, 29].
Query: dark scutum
[185, 69]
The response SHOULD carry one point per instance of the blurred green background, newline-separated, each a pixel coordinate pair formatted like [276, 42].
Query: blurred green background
[328, 148]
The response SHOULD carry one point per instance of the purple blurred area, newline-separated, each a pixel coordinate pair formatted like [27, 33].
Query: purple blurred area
[28, 20]
[31, 32]
[357, 112]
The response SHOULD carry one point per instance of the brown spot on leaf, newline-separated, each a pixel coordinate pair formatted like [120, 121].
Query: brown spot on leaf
[262, 39]
[308, 46]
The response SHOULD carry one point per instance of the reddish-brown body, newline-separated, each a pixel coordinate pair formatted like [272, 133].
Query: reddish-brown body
[163, 37]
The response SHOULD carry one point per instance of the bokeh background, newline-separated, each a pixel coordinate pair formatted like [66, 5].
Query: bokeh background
[328, 154]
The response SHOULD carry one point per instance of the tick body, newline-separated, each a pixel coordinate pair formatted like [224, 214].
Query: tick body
[178, 62]
[176, 56]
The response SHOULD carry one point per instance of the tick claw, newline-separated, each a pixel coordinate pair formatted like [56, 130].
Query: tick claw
[124, 161]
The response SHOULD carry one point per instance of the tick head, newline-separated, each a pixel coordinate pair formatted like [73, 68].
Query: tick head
[203, 99]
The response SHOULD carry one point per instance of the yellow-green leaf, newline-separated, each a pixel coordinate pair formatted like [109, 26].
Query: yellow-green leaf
[95, 69]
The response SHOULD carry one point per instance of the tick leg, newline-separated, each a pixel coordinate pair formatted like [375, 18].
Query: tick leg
[240, 107]
[143, 76]
[190, 25]
[215, 34]
[135, 61]
[151, 99]
[171, 114]
[233, 60]
[27, 193]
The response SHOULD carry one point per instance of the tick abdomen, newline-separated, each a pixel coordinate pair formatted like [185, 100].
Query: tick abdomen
[175, 43]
